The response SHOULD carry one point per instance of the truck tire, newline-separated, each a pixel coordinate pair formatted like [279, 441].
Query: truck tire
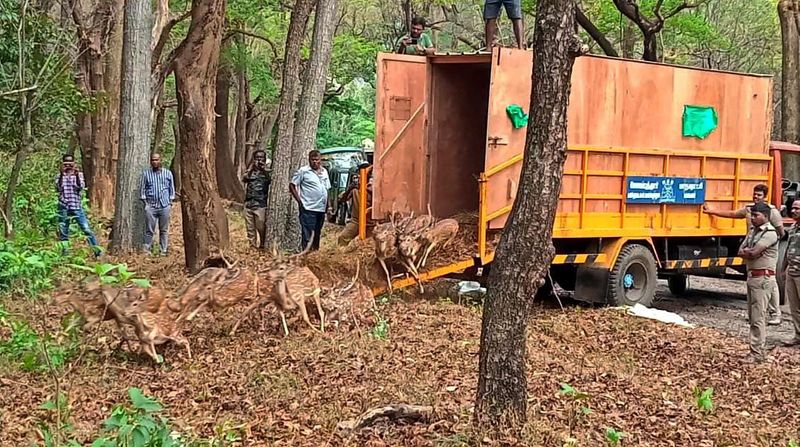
[633, 278]
[678, 284]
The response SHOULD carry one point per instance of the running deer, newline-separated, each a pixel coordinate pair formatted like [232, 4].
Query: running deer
[290, 286]
[441, 234]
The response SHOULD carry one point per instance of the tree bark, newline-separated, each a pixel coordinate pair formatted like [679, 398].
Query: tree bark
[158, 135]
[316, 79]
[205, 225]
[25, 147]
[229, 186]
[789, 14]
[244, 112]
[134, 132]
[175, 166]
[279, 197]
[98, 75]
[525, 251]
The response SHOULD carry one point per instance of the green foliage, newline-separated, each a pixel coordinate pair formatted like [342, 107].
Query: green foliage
[31, 351]
[138, 425]
[792, 443]
[46, 62]
[59, 413]
[704, 399]
[105, 272]
[614, 437]
[381, 328]
[349, 118]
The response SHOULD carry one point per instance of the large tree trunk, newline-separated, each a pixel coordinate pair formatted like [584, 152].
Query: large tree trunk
[98, 75]
[316, 78]
[525, 251]
[205, 225]
[650, 52]
[134, 132]
[244, 111]
[175, 166]
[789, 13]
[279, 197]
[229, 186]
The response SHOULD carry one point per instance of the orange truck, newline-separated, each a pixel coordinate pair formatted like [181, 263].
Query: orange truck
[637, 171]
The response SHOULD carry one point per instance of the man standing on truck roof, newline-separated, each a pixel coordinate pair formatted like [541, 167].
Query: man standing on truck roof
[416, 41]
[760, 251]
[309, 187]
[775, 219]
[791, 269]
[491, 11]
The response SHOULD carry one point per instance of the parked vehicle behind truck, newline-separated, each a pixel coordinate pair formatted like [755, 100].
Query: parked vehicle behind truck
[648, 145]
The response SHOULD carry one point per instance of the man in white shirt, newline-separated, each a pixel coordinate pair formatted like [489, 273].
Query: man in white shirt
[309, 187]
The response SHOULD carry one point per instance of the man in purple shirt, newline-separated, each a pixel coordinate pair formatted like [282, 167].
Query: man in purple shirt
[69, 184]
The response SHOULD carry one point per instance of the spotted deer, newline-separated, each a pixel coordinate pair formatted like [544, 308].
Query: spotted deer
[441, 234]
[290, 286]
[348, 306]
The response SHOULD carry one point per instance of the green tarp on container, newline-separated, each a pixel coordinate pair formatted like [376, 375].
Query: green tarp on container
[518, 116]
[699, 121]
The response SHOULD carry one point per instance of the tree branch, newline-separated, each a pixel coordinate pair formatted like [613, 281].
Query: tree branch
[164, 36]
[253, 35]
[594, 33]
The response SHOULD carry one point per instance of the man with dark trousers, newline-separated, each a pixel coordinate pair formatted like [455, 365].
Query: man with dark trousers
[309, 187]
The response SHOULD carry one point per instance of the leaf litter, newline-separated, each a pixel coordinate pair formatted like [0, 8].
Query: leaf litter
[638, 377]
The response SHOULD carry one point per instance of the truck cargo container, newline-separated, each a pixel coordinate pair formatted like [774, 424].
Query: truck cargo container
[630, 207]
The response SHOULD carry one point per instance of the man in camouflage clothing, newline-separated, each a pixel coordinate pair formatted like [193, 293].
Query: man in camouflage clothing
[256, 180]
[791, 269]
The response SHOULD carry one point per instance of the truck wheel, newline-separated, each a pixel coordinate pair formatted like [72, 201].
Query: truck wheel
[678, 284]
[633, 278]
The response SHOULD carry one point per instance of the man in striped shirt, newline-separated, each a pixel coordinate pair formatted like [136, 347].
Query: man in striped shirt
[69, 184]
[158, 192]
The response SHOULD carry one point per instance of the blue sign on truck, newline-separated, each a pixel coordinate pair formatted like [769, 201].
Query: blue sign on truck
[677, 190]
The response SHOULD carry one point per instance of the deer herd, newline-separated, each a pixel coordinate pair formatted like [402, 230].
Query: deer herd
[157, 316]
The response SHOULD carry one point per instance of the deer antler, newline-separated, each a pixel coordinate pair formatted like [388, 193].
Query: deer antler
[227, 264]
[306, 250]
[355, 278]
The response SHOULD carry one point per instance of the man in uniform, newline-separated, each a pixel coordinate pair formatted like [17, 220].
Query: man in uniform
[775, 219]
[791, 268]
[760, 251]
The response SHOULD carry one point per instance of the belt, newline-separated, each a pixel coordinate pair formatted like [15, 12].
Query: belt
[754, 273]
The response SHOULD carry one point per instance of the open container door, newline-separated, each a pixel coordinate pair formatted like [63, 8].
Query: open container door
[510, 85]
[399, 163]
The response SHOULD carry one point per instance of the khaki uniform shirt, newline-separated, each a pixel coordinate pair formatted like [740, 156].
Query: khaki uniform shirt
[775, 218]
[793, 251]
[763, 236]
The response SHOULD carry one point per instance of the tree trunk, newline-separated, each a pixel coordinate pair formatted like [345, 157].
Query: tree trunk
[629, 36]
[98, 75]
[205, 225]
[134, 132]
[316, 79]
[158, 135]
[525, 251]
[175, 166]
[243, 114]
[229, 186]
[25, 147]
[279, 197]
[790, 71]
[650, 47]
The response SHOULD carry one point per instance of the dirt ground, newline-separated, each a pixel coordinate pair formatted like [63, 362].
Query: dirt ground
[720, 304]
[639, 375]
